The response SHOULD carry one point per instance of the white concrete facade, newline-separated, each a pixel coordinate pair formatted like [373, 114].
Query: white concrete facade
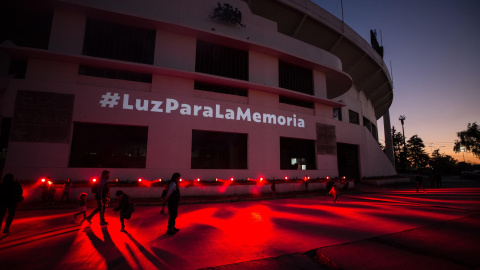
[178, 24]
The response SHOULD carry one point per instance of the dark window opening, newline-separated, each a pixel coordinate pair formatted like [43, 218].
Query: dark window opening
[295, 102]
[367, 124]
[221, 89]
[374, 132]
[115, 74]
[108, 146]
[25, 26]
[297, 154]
[353, 117]
[17, 69]
[337, 114]
[295, 78]
[218, 150]
[221, 60]
[120, 42]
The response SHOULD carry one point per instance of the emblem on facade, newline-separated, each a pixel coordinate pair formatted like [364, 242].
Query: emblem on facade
[227, 13]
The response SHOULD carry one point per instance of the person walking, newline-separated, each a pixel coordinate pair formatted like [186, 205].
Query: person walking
[83, 206]
[163, 198]
[102, 196]
[334, 191]
[125, 206]
[419, 181]
[67, 189]
[173, 198]
[11, 193]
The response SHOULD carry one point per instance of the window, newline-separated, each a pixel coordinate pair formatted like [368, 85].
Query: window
[374, 132]
[218, 150]
[25, 26]
[221, 89]
[367, 124]
[221, 60]
[115, 74]
[17, 69]
[353, 117]
[295, 78]
[108, 146]
[297, 154]
[117, 41]
[337, 114]
[296, 102]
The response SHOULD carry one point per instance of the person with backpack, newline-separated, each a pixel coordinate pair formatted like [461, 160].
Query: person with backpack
[125, 206]
[102, 195]
[173, 199]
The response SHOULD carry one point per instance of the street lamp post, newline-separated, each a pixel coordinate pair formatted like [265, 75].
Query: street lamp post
[402, 120]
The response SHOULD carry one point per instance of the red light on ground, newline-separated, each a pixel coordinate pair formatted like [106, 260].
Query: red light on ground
[261, 178]
[286, 177]
[160, 180]
[198, 179]
[180, 179]
[43, 180]
[216, 179]
[50, 182]
[94, 180]
[139, 179]
[231, 179]
[328, 178]
[343, 177]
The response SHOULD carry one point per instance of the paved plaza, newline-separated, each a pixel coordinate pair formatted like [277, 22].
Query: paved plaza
[371, 227]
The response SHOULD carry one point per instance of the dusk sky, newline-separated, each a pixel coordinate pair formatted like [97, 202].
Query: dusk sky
[433, 48]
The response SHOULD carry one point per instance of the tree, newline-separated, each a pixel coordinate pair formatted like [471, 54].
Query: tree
[442, 163]
[417, 157]
[470, 139]
[398, 149]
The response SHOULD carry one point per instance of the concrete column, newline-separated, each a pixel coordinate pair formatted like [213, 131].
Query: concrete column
[388, 137]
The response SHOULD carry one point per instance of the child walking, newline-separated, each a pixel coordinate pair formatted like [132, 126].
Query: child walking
[334, 191]
[83, 206]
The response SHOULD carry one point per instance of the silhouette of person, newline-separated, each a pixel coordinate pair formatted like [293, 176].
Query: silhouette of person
[438, 179]
[102, 195]
[67, 188]
[173, 198]
[334, 191]
[419, 181]
[10, 195]
[163, 198]
[83, 206]
[125, 206]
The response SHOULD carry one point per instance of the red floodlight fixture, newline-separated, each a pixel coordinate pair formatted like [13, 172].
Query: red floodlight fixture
[198, 179]
[94, 180]
[286, 178]
[139, 179]
[231, 178]
[43, 180]
[261, 179]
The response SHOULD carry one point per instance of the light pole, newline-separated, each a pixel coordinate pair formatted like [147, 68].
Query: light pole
[402, 120]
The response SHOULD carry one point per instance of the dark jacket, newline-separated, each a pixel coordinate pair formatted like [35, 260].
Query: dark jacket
[11, 193]
[125, 206]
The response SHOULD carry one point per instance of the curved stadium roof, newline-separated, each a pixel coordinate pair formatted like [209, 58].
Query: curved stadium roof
[305, 21]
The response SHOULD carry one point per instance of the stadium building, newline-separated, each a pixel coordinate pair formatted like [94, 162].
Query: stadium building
[243, 89]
